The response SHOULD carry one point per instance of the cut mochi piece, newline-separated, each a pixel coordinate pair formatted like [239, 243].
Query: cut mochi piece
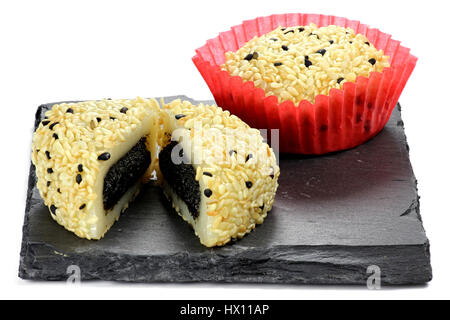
[91, 159]
[219, 174]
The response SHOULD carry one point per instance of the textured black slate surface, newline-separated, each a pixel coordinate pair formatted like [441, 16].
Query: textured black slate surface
[334, 216]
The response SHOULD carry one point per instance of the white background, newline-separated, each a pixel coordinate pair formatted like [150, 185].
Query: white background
[68, 50]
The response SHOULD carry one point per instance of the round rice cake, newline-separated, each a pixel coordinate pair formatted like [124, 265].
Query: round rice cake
[301, 62]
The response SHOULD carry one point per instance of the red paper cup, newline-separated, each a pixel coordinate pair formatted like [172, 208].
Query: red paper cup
[342, 120]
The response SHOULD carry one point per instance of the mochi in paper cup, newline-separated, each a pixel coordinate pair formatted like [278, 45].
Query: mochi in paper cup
[343, 119]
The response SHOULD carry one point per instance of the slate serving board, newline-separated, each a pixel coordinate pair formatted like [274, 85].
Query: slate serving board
[334, 216]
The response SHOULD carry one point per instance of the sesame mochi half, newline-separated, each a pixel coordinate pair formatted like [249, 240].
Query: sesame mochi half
[91, 159]
[219, 174]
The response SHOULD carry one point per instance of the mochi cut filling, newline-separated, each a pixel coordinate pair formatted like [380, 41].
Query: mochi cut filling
[125, 173]
[181, 179]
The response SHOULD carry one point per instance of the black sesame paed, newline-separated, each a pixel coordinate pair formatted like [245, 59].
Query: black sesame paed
[125, 173]
[181, 153]
[181, 178]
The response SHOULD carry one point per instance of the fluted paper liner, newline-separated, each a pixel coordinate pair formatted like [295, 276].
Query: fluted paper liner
[344, 119]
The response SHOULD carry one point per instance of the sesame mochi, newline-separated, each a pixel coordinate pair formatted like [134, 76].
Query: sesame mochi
[302, 62]
[217, 171]
[91, 159]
